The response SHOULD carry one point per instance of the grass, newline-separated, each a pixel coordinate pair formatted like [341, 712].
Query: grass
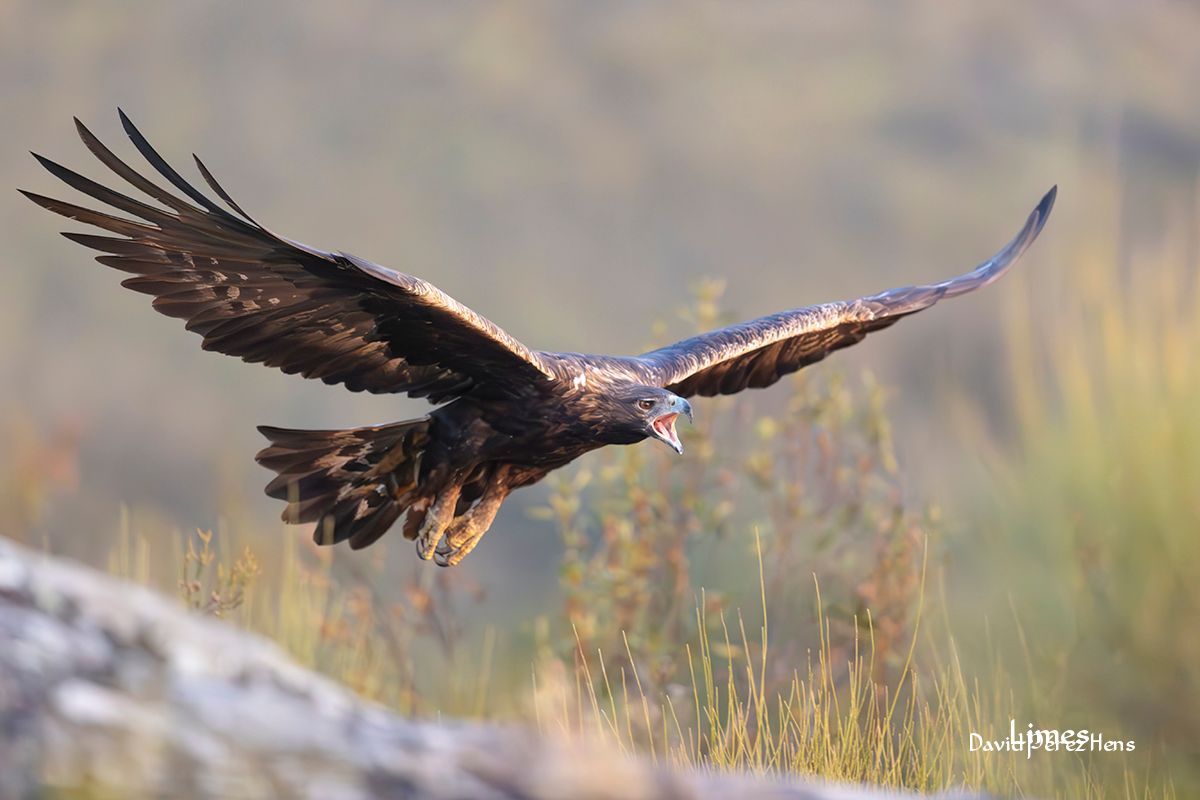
[776, 605]
[830, 715]
[832, 718]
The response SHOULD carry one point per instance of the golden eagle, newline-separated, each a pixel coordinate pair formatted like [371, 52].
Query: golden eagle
[506, 416]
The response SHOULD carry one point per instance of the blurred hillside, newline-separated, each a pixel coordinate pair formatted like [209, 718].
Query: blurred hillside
[568, 170]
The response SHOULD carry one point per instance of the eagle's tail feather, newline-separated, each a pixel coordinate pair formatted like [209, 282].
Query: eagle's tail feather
[353, 483]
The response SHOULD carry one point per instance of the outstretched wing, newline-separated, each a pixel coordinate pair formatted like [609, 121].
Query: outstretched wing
[255, 294]
[758, 353]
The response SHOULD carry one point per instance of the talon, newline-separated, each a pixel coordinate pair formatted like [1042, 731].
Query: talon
[458, 537]
[425, 547]
[437, 520]
[460, 553]
[444, 554]
[460, 541]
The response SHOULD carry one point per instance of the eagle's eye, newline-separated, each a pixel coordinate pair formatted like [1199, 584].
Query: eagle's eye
[645, 405]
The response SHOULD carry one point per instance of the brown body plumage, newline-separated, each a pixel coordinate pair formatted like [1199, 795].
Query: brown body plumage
[509, 415]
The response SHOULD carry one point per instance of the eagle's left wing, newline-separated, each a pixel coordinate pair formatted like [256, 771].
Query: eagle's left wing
[754, 354]
[266, 298]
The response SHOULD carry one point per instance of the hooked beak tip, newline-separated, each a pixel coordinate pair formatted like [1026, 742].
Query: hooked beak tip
[684, 406]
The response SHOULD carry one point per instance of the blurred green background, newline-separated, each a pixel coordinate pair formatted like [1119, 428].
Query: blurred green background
[573, 171]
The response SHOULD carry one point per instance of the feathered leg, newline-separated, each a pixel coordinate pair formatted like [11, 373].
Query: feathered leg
[437, 519]
[467, 530]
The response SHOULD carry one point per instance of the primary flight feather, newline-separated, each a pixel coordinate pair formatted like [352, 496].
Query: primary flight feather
[507, 415]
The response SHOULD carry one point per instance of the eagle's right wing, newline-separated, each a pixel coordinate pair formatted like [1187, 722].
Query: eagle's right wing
[265, 298]
[758, 353]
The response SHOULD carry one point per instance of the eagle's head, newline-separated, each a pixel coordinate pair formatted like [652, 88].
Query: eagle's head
[639, 412]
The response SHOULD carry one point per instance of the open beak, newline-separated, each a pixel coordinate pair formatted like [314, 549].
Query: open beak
[663, 426]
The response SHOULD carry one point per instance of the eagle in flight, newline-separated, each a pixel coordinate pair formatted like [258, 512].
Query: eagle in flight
[506, 415]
